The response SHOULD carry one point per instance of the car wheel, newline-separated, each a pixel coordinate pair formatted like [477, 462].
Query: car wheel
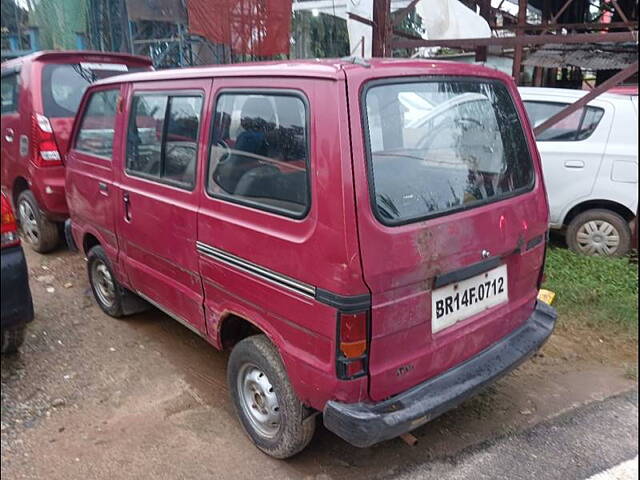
[39, 232]
[599, 232]
[12, 339]
[106, 289]
[271, 414]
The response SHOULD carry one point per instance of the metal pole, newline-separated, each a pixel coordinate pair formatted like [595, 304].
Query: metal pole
[517, 53]
[562, 114]
[379, 37]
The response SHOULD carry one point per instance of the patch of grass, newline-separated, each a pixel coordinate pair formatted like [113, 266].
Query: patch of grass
[603, 292]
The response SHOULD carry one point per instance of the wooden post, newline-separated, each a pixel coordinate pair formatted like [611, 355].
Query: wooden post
[517, 52]
[381, 27]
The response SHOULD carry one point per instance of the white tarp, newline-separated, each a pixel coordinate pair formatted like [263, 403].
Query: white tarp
[441, 19]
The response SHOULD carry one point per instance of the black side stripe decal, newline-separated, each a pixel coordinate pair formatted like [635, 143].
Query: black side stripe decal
[344, 303]
[264, 273]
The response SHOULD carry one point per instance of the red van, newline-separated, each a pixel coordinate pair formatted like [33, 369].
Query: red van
[367, 239]
[40, 95]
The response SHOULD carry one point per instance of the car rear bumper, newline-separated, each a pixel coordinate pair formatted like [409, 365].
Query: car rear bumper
[49, 189]
[16, 306]
[364, 424]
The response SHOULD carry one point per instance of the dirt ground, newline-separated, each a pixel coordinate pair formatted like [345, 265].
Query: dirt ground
[93, 397]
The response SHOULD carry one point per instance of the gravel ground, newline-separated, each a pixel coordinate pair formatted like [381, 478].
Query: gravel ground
[93, 397]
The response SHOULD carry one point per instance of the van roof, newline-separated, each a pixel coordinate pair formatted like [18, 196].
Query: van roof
[316, 68]
[77, 55]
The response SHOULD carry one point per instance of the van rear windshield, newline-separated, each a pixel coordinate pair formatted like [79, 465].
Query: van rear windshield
[437, 146]
[63, 84]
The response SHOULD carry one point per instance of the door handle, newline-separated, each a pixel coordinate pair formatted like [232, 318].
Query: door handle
[8, 135]
[104, 189]
[574, 164]
[127, 203]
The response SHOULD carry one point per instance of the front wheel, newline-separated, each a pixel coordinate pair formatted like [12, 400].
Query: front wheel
[12, 339]
[271, 414]
[599, 232]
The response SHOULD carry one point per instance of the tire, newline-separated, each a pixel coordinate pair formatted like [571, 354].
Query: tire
[106, 289]
[296, 424]
[599, 232]
[39, 232]
[12, 339]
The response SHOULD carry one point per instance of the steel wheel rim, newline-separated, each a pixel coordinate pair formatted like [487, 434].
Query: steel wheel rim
[103, 283]
[28, 222]
[258, 400]
[598, 237]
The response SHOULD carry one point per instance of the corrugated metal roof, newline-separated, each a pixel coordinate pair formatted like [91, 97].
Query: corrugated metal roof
[589, 56]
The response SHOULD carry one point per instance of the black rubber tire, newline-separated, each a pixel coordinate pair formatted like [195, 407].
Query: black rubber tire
[97, 254]
[48, 235]
[297, 421]
[619, 223]
[12, 339]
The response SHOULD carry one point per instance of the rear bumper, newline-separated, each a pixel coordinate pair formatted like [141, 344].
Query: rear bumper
[16, 305]
[364, 425]
[47, 184]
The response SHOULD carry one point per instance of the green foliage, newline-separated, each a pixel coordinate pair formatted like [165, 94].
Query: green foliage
[323, 36]
[601, 291]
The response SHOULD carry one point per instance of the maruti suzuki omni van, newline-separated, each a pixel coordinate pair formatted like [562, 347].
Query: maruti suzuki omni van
[367, 239]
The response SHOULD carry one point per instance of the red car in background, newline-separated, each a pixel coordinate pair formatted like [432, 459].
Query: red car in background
[40, 95]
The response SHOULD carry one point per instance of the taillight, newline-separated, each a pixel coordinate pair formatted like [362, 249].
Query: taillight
[45, 149]
[9, 227]
[353, 348]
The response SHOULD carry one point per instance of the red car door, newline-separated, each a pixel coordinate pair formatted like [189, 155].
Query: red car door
[90, 165]
[159, 197]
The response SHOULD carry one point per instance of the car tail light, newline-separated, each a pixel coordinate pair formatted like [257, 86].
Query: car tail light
[9, 226]
[45, 148]
[353, 344]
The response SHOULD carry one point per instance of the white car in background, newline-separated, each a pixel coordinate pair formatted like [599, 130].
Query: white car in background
[590, 167]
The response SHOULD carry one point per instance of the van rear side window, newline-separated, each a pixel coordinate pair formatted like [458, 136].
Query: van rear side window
[259, 154]
[439, 146]
[162, 140]
[95, 135]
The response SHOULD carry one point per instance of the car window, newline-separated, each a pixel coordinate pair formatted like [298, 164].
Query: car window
[162, 138]
[64, 83]
[96, 132]
[9, 93]
[577, 126]
[259, 153]
[440, 146]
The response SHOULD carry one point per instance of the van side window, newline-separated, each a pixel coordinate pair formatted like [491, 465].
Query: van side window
[577, 126]
[259, 154]
[10, 93]
[96, 132]
[162, 140]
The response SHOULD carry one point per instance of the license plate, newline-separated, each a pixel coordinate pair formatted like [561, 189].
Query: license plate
[461, 300]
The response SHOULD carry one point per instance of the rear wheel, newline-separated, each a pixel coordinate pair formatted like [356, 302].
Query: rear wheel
[271, 414]
[39, 232]
[599, 232]
[12, 339]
